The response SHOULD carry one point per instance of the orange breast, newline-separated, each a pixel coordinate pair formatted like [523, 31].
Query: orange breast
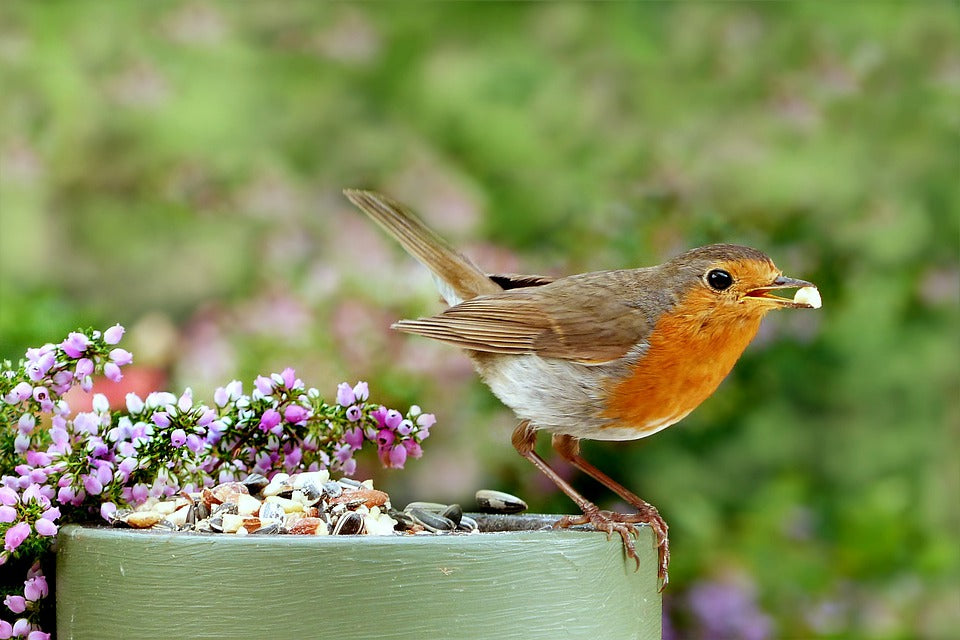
[692, 349]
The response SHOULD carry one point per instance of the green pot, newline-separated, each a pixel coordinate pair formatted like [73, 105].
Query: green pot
[529, 584]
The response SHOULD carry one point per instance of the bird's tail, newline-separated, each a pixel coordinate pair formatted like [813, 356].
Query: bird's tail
[458, 277]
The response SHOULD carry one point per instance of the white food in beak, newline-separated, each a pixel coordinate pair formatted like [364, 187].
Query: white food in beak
[809, 296]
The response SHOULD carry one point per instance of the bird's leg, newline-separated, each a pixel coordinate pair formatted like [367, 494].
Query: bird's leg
[569, 449]
[524, 439]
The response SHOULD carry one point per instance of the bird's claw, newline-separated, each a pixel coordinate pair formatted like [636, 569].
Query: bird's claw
[623, 524]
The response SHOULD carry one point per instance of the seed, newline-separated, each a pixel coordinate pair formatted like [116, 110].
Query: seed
[432, 507]
[499, 502]
[349, 524]
[453, 513]
[431, 521]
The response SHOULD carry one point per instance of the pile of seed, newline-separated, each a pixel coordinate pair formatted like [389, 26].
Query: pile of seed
[308, 503]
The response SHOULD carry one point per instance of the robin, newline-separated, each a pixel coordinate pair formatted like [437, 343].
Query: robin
[607, 355]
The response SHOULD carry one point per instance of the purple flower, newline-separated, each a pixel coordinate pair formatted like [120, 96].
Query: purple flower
[16, 604]
[405, 428]
[113, 334]
[8, 496]
[21, 392]
[264, 385]
[161, 419]
[84, 367]
[6, 629]
[51, 514]
[36, 588]
[36, 634]
[45, 527]
[295, 414]
[121, 356]
[75, 344]
[397, 456]
[380, 415]
[66, 495]
[269, 420]
[134, 403]
[349, 467]
[414, 450]
[7, 514]
[393, 419]
[16, 535]
[21, 627]
[354, 413]
[345, 395]
[289, 377]
[21, 443]
[353, 437]
[111, 371]
[426, 420]
[385, 438]
[178, 437]
[194, 443]
[92, 484]
[361, 391]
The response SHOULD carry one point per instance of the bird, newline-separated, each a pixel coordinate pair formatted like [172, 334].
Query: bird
[607, 355]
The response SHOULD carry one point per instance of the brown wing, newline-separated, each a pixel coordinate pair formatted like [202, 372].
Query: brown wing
[590, 318]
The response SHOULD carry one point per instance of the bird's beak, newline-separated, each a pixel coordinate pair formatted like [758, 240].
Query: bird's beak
[806, 297]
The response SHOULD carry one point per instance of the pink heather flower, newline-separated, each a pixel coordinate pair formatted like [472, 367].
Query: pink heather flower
[75, 344]
[7, 514]
[289, 377]
[295, 413]
[105, 473]
[185, 403]
[51, 514]
[8, 496]
[45, 527]
[107, 509]
[88, 423]
[194, 443]
[100, 403]
[113, 334]
[221, 397]
[36, 634]
[121, 356]
[161, 419]
[398, 456]
[84, 367]
[345, 395]
[349, 467]
[92, 484]
[26, 423]
[361, 391]
[21, 443]
[353, 437]
[16, 604]
[134, 403]
[36, 588]
[292, 459]
[354, 413]
[140, 492]
[178, 437]
[112, 372]
[426, 420]
[208, 416]
[393, 419]
[40, 394]
[21, 627]
[6, 629]
[37, 458]
[269, 420]
[16, 535]
[414, 450]
[22, 391]
[66, 495]
[405, 428]
[380, 415]
[385, 438]
[264, 385]
[342, 452]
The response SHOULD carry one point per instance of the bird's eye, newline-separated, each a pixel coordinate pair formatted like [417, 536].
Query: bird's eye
[719, 279]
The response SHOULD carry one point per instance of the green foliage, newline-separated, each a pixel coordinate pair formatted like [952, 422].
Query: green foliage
[187, 159]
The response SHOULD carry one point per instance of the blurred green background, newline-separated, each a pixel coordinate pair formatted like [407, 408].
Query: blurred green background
[177, 167]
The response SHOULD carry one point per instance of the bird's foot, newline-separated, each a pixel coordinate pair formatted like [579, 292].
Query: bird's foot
[623, 524]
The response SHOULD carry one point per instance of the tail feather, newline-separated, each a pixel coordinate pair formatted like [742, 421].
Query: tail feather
[460, 279]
